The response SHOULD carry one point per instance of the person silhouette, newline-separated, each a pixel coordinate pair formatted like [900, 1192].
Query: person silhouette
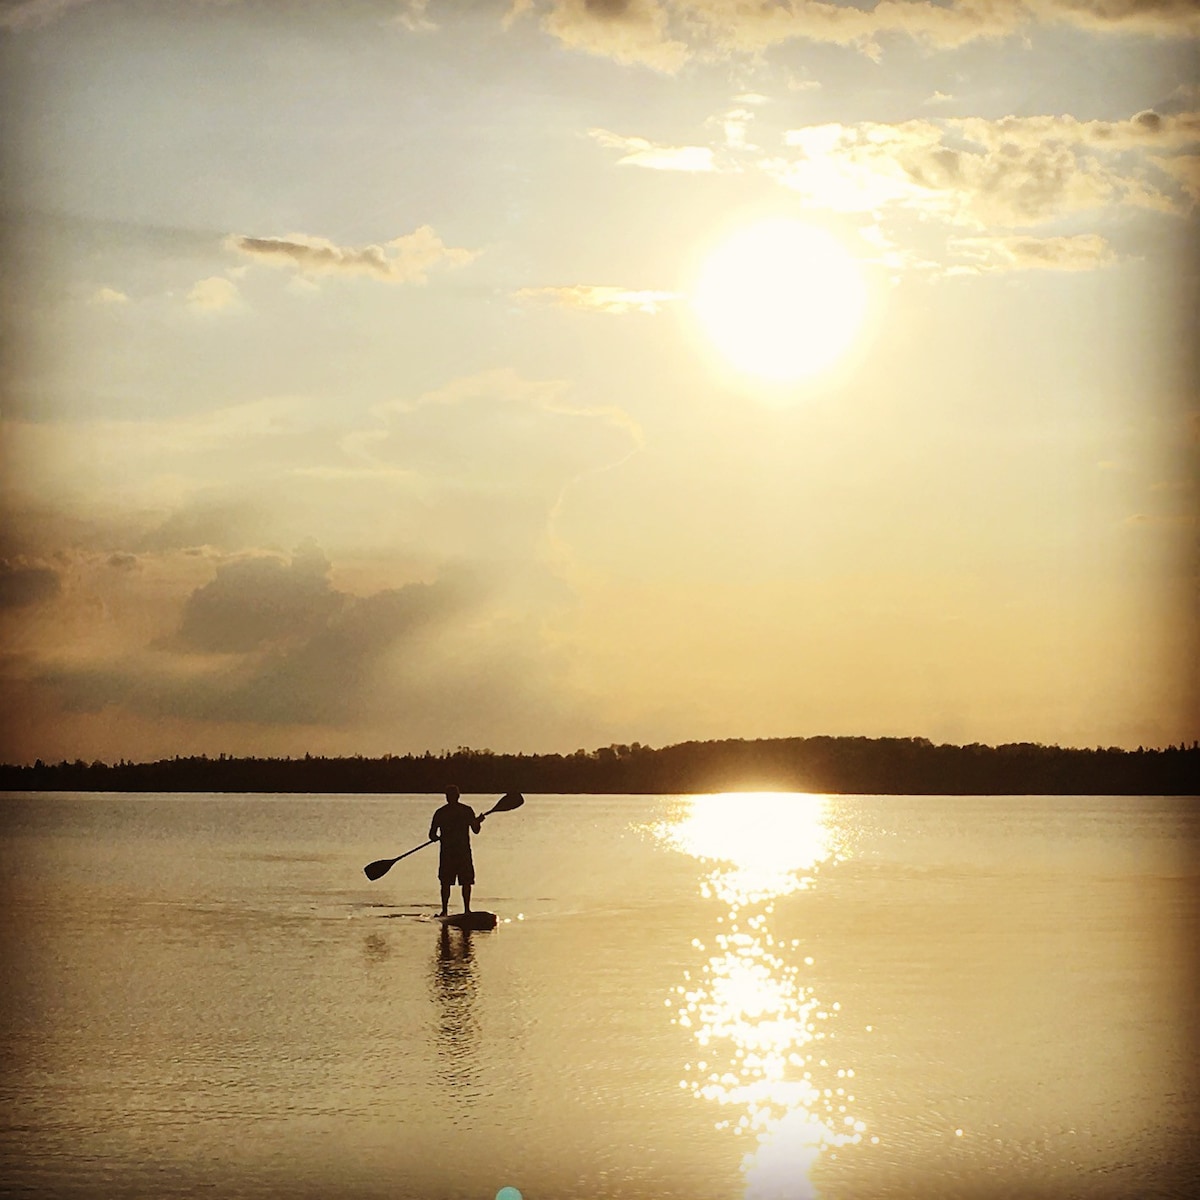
[451, 828]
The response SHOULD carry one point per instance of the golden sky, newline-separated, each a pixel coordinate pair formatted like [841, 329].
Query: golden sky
[386, 376]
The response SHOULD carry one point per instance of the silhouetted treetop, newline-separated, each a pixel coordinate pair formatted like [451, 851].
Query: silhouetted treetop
[873, 766]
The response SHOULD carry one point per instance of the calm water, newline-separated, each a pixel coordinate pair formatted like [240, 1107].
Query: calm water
[729, 997]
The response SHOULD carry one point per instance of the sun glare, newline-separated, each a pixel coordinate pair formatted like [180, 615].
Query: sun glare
[763, 1039]
[780, 300]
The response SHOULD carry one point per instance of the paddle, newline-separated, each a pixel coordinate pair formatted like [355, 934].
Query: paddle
[382, 866]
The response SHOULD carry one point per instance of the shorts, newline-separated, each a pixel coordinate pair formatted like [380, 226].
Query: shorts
[456, 870]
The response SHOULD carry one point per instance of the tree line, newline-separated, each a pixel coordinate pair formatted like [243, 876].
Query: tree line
[848, 765]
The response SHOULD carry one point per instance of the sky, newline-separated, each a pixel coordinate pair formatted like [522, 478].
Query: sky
[384, 377]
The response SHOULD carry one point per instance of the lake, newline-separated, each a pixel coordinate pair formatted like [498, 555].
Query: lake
[738, 997]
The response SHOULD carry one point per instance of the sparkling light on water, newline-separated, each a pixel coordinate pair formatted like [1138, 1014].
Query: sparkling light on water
[757, 1025]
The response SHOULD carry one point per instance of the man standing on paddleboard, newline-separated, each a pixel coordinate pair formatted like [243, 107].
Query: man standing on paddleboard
[451, 828]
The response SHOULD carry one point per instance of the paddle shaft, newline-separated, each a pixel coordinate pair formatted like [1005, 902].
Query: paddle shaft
[431, 841]
[376, 869]
[412, 851]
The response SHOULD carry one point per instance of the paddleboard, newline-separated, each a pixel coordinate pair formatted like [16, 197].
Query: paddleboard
[471, 920]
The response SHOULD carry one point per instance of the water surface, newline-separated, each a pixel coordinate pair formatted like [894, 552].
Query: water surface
[735, 997]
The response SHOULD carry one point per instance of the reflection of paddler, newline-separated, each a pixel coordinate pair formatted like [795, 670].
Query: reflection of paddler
[451, 828]
[453, 984]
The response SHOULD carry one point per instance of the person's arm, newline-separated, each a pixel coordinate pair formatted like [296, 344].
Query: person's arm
[476, 821]
[433, 827]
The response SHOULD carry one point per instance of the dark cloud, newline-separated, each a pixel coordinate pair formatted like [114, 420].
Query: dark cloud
[259, 600]
[21, 587]
[461, 659]
[665, 34]
[405, 259]
[363, 658]
[296, 651]
[607, 9]
[222, 524]
[30, 14]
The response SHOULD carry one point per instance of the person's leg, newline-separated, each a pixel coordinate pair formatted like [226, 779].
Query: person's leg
[466, 891]
[445, 898]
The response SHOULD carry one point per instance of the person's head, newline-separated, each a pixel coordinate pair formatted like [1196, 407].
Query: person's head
[452, 794]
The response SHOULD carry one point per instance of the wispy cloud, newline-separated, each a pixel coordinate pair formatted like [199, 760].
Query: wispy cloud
[598, 298]
[413, 16]
[1014, 172]
[25, 585]
[405, 259]
[638, 152]
[109, 296]
[627, 31]
[213, 294]
[146, 463]
[1184, 169]
[29, 14]
[664, 34]
[500, 427]
[1082, 252]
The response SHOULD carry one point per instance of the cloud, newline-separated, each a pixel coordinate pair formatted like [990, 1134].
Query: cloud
[360, 658]
[514, 399]
[633, 32]
[490, 457]
[24, 586]
[484, 463]
[30, 14]
[256, 600]
[108, 296]
[1184, 169]
[412, 16]
[474, 471]
[405, 259]
[269, 642]
[296, 653]
[665, 34]
[638, 152]
[1155, 521]
[1082, 252]
[1014, 172]
[213, 294]
[598, 298]
[1147, 128]
[220, 522]
[1153, 17]
[139, 458]
[735, 124]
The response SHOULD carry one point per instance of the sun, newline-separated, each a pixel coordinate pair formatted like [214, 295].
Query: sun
[780, 300]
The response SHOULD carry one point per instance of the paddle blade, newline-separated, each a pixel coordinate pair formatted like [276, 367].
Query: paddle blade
[508, 802]
[380, 867]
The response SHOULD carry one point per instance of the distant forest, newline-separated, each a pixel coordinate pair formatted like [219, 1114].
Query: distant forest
[850, 765]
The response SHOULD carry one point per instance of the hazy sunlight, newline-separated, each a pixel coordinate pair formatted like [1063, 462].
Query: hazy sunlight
[780, 299]
[769, 842]
[755, 1021]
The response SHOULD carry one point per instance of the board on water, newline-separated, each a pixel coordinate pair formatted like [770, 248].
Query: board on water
[471, 920]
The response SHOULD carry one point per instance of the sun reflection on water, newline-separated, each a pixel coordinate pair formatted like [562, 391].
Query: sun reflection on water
[760, 1030]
